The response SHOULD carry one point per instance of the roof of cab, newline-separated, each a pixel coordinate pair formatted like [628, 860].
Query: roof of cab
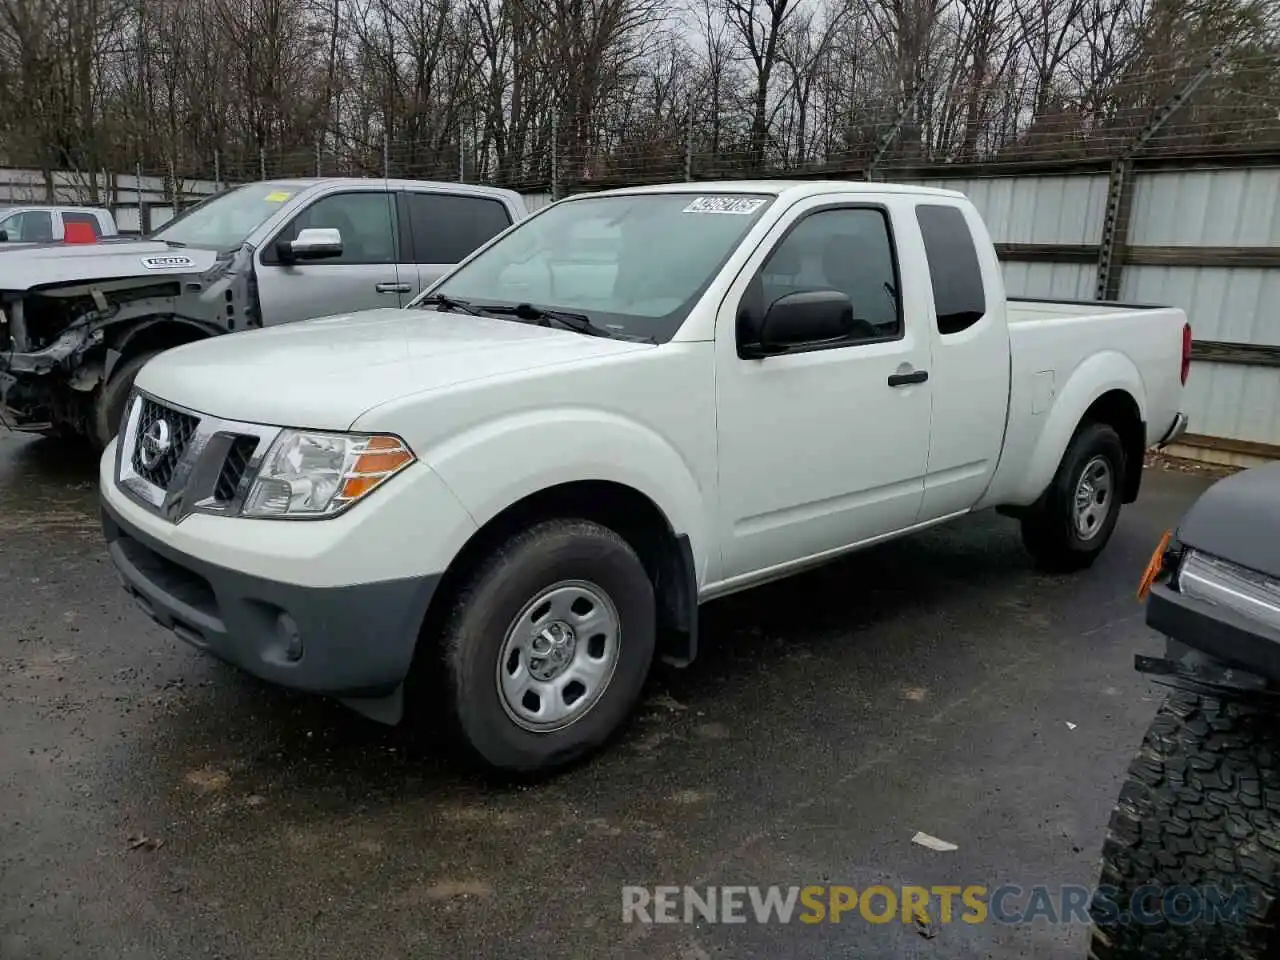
[791, 188]
[444, 186]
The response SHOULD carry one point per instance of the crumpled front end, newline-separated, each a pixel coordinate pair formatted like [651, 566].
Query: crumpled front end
[60, 340]
[43, 341]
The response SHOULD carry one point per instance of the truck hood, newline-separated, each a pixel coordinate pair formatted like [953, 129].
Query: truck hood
[28, 266]
[1238, 519]
[325, 373]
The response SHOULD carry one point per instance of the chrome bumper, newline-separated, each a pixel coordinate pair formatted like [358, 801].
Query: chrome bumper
[1176, 430]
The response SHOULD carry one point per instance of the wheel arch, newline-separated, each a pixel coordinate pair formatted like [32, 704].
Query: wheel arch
[1119, 410]
[155, 333]
[1107, 388]
[667, 556]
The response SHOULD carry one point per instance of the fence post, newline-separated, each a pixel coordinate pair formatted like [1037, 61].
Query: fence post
[555, 149]
[173, 187]
[688, 143]
[462, 152]
[217, 171]
[144, 212]
[318, 173]
[1115, 225]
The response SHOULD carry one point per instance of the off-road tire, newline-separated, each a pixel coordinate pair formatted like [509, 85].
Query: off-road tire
[109, 404]
[484, 608]
[1048, 531]
[1200, 809]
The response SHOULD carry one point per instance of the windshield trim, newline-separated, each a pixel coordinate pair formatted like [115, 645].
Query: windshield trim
[665, 326]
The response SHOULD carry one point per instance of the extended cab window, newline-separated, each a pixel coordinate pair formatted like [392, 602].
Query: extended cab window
[447, 228]
[959, 295]
[366, 221]
[849, 250]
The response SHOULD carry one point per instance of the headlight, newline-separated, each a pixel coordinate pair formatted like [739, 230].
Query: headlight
[308, 474]
[1214, 580]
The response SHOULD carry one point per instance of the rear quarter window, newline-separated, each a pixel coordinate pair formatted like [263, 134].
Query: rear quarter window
[959, 295]
[84, 219]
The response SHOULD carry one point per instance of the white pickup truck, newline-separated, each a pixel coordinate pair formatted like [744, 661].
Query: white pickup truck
[506, 499]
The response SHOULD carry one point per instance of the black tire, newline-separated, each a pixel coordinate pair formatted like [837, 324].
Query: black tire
[1200, 810]
[108, 406]
[485, 608]
[1049, 532]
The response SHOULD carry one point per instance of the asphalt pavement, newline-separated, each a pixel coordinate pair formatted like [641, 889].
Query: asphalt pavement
[157, 804]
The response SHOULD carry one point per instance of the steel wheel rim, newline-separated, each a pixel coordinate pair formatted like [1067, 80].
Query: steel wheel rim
[1092, 501]
[558, 656]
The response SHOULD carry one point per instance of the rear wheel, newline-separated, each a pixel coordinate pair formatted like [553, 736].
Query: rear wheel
[1072, 524]
[548, 646]
[108, 406]
[1196, 833]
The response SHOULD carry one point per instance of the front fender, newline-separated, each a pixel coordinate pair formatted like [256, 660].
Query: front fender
[496, 464]
[1098, 375]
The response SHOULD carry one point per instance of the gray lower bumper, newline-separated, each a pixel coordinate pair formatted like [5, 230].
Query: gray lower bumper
[355, 642]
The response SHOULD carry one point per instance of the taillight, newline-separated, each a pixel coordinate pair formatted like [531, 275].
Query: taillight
[1186, 352]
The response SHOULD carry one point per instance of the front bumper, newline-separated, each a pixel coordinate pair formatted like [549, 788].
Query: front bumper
[1213, 630]
[353, 642]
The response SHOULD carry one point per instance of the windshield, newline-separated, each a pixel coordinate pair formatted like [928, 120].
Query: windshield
[633, 265]
[225, 221]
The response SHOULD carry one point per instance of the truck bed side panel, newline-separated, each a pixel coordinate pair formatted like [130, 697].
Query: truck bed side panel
[1063, 359]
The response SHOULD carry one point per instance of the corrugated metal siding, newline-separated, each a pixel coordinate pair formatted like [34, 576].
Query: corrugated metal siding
[1234, 402]
[537, 200]
[1230, 208]
[1237, 304]
[1063, 281]
[1207, 208]
[1036, 209]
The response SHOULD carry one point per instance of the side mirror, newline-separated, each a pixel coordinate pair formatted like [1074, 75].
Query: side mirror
[4, 236]
[312, 243]
[802, 319]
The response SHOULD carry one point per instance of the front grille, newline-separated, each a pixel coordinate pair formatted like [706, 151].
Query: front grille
[233, 468]
[169, 442]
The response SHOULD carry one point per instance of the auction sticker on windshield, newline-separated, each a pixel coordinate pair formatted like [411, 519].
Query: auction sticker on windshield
[739, 205]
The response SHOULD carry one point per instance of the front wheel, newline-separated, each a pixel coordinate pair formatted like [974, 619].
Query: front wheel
[109, 404]
[1071, 526]
[548, 646]
[1191, 861]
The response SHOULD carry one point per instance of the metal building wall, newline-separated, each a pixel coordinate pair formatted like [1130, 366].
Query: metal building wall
[1237, 208]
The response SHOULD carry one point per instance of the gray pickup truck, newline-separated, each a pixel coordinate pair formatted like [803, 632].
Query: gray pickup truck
[77, 322]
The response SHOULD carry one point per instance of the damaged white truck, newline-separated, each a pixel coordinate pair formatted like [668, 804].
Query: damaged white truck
[77, 322]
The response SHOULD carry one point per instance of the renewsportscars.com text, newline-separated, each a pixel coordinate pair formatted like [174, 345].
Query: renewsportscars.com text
[971, 904]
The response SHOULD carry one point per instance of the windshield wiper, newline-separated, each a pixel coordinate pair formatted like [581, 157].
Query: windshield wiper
[449, 303]
[578, 322]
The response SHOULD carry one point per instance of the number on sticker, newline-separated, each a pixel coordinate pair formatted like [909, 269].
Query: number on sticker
[738, 205]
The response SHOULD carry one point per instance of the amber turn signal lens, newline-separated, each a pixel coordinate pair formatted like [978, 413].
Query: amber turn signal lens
[1154, 566]
[381, 458]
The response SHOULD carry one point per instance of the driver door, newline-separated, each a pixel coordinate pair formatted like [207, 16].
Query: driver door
[366, 275]
[826, 445]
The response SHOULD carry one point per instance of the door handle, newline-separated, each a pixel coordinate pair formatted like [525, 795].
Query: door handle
[902, 379]
[393, 288]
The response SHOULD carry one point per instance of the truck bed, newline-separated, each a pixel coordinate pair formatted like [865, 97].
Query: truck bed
[1051, 343]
